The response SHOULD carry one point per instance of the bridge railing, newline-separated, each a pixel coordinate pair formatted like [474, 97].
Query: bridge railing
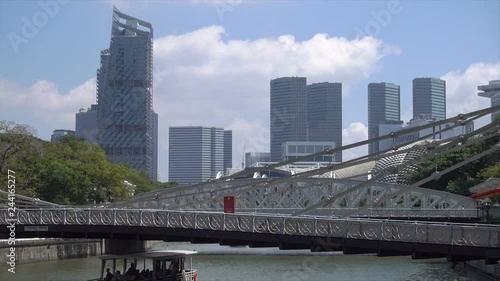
[371, 212]
[478, 235]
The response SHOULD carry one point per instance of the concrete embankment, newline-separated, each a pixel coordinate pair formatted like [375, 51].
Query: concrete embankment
[38, 250]
[492, 270]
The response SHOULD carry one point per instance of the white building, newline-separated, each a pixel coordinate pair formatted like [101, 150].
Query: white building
[492, 91]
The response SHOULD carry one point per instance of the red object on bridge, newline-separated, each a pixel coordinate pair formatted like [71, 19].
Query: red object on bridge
[489, 193]
[229, 204]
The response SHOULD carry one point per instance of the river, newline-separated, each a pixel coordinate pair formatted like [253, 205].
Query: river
[222, 263]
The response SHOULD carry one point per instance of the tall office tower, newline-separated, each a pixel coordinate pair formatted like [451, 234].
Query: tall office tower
[492, 91]
[125, 94]
[288, 112]
[324, 114]
[228, 149]
[196, 154]
[86, 124]
[429, 98]
[383, 108]
[154, 172]
[216, 151]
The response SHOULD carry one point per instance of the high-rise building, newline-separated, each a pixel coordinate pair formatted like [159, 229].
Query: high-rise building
[58, 134]
[125, 95]
[429, 98]
[228, 149]
[154, 172]
[383, 108]
[288, 112]
[492, 91]
[86, 124]
[324, 114]
[196, 153]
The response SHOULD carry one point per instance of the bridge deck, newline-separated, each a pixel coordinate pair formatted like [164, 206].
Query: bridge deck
[384, 237]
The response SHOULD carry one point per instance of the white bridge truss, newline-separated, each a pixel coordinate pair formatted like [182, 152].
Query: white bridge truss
[256, 195]
[313, 192]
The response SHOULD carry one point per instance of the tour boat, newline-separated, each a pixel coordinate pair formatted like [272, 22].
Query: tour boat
[165, 265]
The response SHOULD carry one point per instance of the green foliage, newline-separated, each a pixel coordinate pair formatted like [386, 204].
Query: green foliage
[460, 180]
[162, 185]
[71, 172]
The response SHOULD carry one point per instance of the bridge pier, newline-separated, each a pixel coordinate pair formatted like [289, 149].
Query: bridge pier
[123, 246]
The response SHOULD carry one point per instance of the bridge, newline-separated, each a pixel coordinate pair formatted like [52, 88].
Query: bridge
[355, 207]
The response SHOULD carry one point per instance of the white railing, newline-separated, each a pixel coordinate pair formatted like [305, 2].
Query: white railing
[479, 235]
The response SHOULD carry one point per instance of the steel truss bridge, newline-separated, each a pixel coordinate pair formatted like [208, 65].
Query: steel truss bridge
[312, 209]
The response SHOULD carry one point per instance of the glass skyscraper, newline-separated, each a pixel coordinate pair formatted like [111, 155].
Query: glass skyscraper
[196, 153]
[383, 108]
[324, 114]
[288, 112]
[125, 119]
[429, 98]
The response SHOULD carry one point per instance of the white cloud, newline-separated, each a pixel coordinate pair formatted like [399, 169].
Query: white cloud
[356, 132]
[461, 88]
[203, 79]
[44, 100]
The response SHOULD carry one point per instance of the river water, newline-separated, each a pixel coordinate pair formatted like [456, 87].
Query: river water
[222, 263]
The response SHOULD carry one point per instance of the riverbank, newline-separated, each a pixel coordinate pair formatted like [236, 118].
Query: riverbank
[49, 249]
[491, 270]
[40, 250]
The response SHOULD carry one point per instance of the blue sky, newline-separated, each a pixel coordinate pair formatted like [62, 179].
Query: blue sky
[214, 59]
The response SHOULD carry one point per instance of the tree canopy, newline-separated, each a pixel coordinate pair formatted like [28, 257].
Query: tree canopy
[71, 172]
[460, 180]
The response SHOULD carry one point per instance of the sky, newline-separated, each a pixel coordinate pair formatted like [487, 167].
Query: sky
[213, 60]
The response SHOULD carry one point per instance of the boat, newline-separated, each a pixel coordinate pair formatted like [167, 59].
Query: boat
[165, 265]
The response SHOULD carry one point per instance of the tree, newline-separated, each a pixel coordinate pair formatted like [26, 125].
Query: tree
[460, 180]
[71, 172]
[13, 139]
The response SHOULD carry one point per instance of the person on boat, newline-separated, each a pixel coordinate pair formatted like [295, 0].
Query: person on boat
[118, 276]
[109, 275]
[131, 270]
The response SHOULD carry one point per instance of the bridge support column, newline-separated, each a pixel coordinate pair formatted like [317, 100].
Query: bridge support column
[123, 246]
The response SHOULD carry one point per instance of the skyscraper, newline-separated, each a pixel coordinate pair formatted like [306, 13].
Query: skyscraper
[196, 153]
[288, 112]
[383, 108]
[228, 149]
[154, 172]
[429, 98]
[324, 114]
[125, 116]
[86, 124]
[492, 91]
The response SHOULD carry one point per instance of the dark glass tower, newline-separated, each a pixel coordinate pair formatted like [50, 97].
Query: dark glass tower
[288, 112]
[429, 98]
[324, 113]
